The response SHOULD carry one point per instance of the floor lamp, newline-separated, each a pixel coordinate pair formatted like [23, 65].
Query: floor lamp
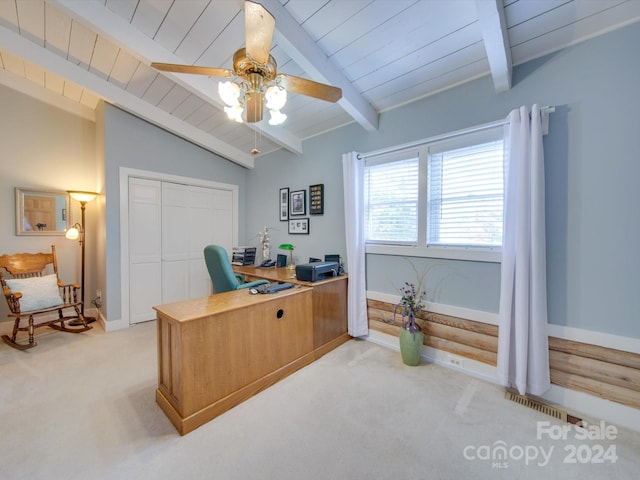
[77, 232]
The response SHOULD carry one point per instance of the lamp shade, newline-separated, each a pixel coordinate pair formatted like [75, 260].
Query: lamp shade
[286, 246]
[73, 233]
[82, 196]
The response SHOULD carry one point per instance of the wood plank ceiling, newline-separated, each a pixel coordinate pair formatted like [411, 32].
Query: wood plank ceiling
[382, 53]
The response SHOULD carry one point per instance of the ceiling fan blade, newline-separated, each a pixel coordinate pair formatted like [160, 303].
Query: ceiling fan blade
[172, 67]
[259, 25]
[311, 88]
[253, 106]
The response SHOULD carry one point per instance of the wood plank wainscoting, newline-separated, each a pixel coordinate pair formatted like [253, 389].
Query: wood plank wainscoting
[604, 372]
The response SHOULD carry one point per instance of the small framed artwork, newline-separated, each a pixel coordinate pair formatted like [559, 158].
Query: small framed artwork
[299, 226]
[298, 203]
[316, 199]
[284, 204]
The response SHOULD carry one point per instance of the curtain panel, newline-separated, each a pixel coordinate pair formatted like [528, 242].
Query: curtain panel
[353, 177]
[523, 351]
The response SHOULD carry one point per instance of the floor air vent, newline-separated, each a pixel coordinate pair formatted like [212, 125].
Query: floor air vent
[541, 407]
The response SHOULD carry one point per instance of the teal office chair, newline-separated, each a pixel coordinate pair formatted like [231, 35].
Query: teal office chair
[221, 273]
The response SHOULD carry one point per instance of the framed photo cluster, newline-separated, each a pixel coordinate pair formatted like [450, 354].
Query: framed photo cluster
[293, 207]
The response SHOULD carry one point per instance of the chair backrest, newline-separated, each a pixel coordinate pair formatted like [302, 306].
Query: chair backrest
[26, 265]
[220, 269]
[30, 265]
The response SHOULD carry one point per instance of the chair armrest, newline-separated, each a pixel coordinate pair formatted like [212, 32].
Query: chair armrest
[252, 284]
[62, 285]
[70, 292]
[239, 277]
[13, 300]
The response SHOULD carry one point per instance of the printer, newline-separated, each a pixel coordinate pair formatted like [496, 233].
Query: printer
[310, 272]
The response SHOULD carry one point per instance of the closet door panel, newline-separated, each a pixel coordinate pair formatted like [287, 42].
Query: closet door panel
[170, 224]
[175, 242]
[175, 281]
[145, 236]
[145, 289]
[175, 222]
[202, 226]
[223, 219]
[145, 255]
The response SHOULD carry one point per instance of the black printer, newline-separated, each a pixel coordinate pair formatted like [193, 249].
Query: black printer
[310, 272]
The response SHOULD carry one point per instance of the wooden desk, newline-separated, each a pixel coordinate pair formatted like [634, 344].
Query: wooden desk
[329, 303]
[215, 352]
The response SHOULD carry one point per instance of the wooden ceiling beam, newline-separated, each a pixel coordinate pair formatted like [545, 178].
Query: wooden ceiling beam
[496, 42]
[304, 51]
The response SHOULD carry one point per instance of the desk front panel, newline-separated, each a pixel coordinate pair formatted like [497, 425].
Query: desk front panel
[329, 300]
[205, 359]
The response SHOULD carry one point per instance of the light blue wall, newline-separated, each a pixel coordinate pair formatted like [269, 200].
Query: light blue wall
[133, 143]
[592, 172]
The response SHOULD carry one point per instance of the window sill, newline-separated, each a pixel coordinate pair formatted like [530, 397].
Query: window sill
[451, 253]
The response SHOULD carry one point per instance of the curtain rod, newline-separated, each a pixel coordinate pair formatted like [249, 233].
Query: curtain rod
[445, 136]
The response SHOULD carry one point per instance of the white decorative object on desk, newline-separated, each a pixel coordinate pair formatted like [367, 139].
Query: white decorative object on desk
[264, 242]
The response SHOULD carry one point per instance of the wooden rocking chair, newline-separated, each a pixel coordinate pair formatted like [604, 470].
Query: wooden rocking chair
[31, 293]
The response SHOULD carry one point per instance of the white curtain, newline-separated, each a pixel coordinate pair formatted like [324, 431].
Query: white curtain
[523, 352]
[353, 177]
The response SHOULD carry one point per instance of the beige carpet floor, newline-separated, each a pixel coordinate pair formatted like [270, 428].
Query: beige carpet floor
[83, 407]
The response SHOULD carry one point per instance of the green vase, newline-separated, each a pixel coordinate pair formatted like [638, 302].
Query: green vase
[411, 346]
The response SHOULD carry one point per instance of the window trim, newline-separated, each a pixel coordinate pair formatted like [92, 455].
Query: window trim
[453, 252]
[475, 254]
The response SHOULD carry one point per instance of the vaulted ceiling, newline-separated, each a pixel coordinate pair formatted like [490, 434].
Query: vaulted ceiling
[381, 53]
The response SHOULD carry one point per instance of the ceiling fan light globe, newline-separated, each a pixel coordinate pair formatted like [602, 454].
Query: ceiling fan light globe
[229, 93]
[277, 117]
[276, 97]
[234, 112]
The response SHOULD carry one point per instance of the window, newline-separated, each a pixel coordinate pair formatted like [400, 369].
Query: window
[445, 193]
[391, 196]
[465, 196]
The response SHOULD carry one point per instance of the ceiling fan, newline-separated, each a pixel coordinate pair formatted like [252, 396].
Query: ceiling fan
[256, 75]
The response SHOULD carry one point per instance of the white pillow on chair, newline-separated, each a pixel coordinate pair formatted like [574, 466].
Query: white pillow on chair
[37, 292]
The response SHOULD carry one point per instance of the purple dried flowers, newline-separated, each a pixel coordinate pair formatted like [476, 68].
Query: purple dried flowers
[411, 302]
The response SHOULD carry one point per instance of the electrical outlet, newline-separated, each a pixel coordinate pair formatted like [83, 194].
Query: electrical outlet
[455, 361]
[98, 294]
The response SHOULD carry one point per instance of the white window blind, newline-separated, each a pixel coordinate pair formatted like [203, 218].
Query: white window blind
[465, 196]
[442, 195]
[391, 201]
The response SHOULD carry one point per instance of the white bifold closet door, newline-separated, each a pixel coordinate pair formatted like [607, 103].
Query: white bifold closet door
[169, 226]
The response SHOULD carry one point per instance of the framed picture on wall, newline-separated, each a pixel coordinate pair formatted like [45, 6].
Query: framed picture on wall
[284, 204]
[316, 199]
[298, 203]
[299, 226]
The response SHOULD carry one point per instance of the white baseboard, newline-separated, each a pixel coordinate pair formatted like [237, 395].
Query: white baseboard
[466, 365]
[580, 404]
[113, 325]
[107, 326]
